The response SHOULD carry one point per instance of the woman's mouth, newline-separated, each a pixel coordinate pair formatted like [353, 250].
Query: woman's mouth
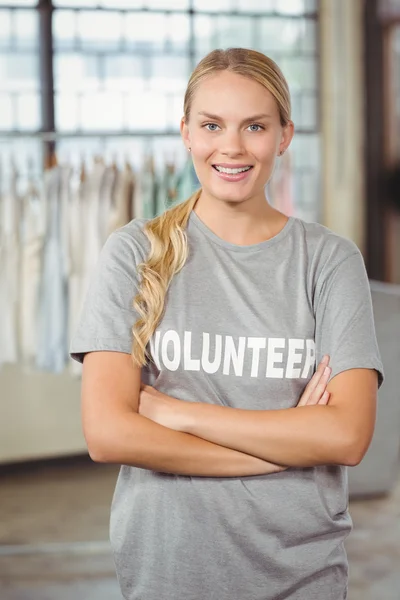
[232, 173]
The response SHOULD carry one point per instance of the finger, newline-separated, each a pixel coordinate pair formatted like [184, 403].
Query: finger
[320, 388]
[314, 393]
[324, 398]
[312, 384]
[325, 360]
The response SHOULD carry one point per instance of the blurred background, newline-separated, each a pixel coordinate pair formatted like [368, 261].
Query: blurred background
[91, 95]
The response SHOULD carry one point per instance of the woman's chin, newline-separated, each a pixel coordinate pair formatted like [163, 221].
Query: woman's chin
[231, 193]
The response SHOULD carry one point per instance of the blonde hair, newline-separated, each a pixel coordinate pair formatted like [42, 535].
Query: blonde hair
[167, 232]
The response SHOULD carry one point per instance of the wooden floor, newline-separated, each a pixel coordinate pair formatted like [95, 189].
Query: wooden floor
[54, 536]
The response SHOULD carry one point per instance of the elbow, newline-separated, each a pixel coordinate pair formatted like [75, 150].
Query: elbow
[97, 454]
[354, 452]
[97, 448]
[353, 459]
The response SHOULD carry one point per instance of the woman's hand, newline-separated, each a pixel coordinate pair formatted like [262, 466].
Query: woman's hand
[161, 408]
[315, 391]
[170, 412]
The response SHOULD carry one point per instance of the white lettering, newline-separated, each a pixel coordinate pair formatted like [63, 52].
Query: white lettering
[211, 367]
[234, 356]
[171, 336]
[273, 356]
[228, 354]
[255, 344]
[294, 358]
[190, 364]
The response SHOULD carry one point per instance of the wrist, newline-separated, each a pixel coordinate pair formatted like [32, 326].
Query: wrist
[186, 417]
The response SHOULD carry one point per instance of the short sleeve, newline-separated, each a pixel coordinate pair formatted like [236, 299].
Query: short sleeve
[345, 327]
[107, 316]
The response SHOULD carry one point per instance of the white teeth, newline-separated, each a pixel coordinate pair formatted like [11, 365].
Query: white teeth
[231, 171]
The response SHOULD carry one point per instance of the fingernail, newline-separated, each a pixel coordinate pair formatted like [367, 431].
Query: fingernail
[327, 370]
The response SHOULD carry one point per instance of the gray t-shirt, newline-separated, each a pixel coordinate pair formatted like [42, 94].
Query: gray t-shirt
[244, 326]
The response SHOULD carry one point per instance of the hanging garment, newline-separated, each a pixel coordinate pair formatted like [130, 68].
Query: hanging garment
[148, 191]
[167, 193]
[76, 236]
[89, 214]
[106, 201]
[122, 199]
[92, 218]
[52, 322]
[10, 209]
[187, 181]
[31, 247]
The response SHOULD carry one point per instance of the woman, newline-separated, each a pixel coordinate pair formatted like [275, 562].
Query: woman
[234, 452]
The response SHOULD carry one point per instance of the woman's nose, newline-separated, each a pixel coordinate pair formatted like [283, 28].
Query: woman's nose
[231, 144]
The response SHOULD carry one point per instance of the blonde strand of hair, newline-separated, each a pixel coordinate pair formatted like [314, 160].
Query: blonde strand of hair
[167, 256]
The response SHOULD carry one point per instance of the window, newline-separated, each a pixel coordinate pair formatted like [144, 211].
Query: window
[120, 68]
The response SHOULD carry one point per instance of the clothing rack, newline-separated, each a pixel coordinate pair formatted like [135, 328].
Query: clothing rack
[179, 11]
[49, 136]
[50, 141]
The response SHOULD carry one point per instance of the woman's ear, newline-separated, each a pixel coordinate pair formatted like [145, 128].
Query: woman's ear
[287, 136]
[185, 134]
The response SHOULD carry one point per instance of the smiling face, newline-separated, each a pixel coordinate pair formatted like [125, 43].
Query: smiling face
[234, 132]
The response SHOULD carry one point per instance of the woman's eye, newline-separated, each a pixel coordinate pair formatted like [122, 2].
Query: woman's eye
[255, 127]
[211, 126]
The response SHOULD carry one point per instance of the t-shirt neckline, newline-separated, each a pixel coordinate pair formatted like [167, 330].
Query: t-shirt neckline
[199, 224]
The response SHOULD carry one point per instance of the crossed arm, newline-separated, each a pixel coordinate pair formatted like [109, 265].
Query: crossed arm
[146, 429]
[337, 433]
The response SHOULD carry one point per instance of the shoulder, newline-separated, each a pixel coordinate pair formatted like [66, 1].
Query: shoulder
[130, 239]
[124, 249]
[324, 248]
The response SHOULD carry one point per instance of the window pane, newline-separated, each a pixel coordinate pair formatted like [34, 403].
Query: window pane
[76, 3]
[122, 3]
[257, 6]
[73, 71]
[147, 111]
[300, 72]
[169, 73]
[178, 32]
[170, 4]
[126, 4]
[296, 7]
[306, 152]
[26, 28]
[18, 72]
[102, 111]
[6, 112]
[66, 112]
[5, 29]
[123, 73]
[146, 31]
[64, 28]
[28, 112]
[176, 112]
[212, 5]
[235, 31]
[99, 29]
[308, 112]
[205, 34]
[18, 2]
[286, 35]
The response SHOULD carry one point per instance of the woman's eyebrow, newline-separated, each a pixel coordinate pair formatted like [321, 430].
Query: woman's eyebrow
[248, 120]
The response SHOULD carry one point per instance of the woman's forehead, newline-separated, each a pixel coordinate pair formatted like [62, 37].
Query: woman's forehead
[229, 93]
